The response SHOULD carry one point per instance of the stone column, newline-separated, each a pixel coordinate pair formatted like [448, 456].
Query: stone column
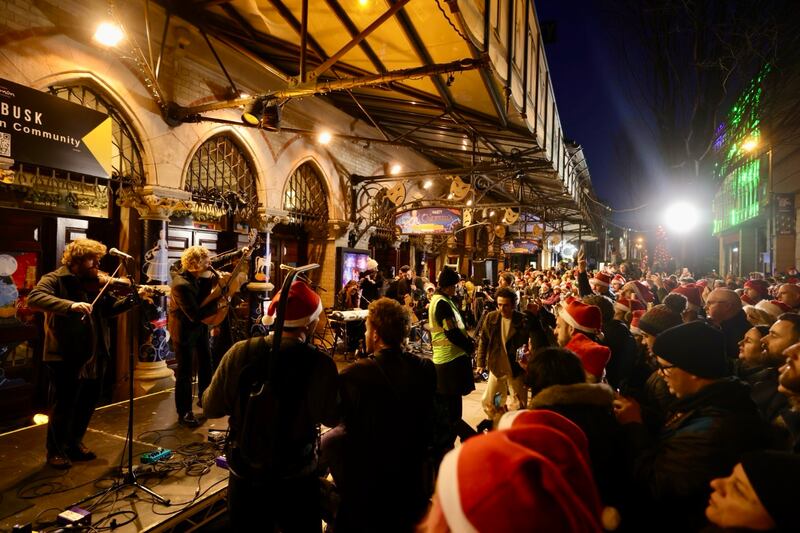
[154, 204]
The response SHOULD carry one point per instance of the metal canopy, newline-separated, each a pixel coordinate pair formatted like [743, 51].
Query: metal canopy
[414, 71]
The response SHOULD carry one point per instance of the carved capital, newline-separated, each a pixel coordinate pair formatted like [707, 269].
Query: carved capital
[154, 202]
[339, 228]
[272, 217]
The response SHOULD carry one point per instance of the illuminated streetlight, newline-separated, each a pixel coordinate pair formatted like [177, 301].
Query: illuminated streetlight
[324, 137]
[681, 217]
[108, 34]
[750, 144]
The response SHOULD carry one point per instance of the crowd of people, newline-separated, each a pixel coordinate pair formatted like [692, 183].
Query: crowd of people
[615, 400]
[683, 392]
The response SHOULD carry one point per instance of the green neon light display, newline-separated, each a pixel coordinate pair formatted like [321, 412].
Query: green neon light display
[739, 169]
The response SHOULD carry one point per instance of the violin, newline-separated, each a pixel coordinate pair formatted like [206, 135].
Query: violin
[121, 287]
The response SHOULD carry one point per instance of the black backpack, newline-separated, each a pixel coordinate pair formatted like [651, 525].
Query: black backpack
[269, 436]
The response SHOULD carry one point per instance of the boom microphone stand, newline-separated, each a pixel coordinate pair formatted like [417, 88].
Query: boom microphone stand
[128, 476]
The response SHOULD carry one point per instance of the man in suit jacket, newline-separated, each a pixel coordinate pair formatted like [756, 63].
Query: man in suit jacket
[504, 331]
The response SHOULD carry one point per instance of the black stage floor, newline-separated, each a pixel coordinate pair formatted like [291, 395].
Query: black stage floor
[32, 492]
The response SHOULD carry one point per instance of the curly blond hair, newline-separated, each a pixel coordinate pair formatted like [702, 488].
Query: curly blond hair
[79, 249]
[193, 257]
[391, 320]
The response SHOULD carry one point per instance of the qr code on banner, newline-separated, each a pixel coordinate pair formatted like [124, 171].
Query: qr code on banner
[5, 145]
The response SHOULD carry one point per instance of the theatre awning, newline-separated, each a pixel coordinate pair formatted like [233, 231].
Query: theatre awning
[457, 81]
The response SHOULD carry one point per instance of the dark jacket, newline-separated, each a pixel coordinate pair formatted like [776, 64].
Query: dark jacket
[591, 407]
[619, 340]
[185, 313]
[84, 343]
[734, 329]
[370, 289]
[703, 438]
[306, 388]
[490, 343]
[387, 412]
[398, 288]
[771, 404]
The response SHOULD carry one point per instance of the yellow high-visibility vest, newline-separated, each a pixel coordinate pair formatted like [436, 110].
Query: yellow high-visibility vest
[444, 351]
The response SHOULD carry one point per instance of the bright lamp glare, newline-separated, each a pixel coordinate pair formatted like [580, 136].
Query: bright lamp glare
[324, 137]
[40, 419]
[396, 168]
[750, 144]
[681, 217]
[108, 34]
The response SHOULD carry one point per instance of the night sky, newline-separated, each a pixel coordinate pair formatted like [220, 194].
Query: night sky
[592, 95]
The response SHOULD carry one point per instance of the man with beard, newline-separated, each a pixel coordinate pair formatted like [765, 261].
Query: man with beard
[77, 345]
[760, 371]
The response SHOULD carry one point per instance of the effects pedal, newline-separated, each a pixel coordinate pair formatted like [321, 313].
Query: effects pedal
[74, 517]
[160, 454]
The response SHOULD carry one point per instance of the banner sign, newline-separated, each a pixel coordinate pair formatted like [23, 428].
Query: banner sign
[41, 129]
[429, 221]
[521, 246]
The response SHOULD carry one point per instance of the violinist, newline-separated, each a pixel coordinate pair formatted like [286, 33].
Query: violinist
[188, 331]
[77, 344]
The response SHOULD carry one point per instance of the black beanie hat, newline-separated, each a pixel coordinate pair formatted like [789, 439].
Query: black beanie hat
[448, 277]
[659, 319]
[774, 476]
[694, 347]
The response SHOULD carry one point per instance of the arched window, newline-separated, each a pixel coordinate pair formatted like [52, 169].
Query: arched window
[126, 158]
[220, 174]
[304, 195]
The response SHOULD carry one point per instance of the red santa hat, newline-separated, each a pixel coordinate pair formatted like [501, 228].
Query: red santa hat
[703, 283]
[544, 417]
[773, 307]
[601, 278]
[582, 317]
[692, 293]
[626, 305]
[758, 285]
[593, 355]
[642, 291]
[670, 283]
[637, 316]
[303, 306]
[618, 280]
[535, 471]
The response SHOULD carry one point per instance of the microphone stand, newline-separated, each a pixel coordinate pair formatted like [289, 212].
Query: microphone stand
[128, 478]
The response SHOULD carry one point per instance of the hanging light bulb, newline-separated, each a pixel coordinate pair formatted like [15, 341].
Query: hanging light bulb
[108, 34]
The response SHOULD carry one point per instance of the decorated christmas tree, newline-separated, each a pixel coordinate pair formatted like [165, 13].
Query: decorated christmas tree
[661, 255]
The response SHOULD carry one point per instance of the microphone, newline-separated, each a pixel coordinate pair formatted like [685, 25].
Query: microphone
[117, 253]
